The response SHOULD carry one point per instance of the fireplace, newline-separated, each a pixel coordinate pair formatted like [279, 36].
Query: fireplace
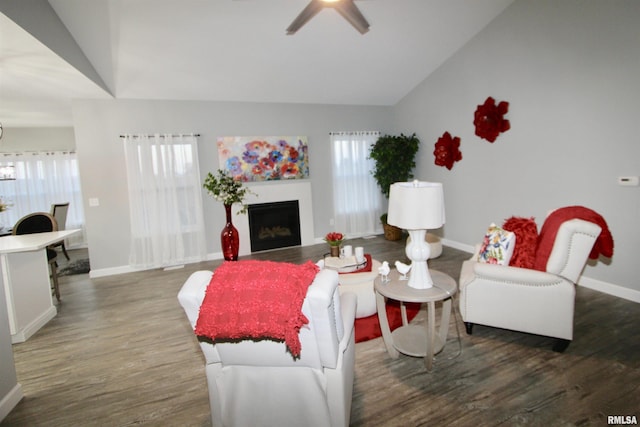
[274, 225]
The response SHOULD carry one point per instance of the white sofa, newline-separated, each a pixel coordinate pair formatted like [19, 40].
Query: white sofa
[258, 383]
[526, 300]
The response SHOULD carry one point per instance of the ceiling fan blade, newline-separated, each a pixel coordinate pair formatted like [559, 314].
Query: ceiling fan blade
[351, 13]
[307, 13]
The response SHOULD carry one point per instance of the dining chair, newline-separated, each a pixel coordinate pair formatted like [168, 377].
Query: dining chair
[41, 222]
[59, 212]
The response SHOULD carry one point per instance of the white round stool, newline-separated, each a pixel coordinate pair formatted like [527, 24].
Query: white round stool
[434, 244]
[361, 284]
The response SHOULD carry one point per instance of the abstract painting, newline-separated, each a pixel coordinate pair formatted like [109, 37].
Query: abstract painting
[264, 158]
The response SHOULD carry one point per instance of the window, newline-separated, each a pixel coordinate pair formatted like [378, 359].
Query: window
[165, 200]
[357, 200]
[42, 179]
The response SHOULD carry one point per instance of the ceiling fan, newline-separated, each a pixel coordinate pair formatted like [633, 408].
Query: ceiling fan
[346, 8]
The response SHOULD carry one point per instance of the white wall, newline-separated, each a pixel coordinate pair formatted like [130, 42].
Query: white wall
[10, 389]
[98, 125]
[569, 70]
[37, 139]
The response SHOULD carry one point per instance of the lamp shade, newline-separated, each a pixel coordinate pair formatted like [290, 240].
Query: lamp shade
[416, 205]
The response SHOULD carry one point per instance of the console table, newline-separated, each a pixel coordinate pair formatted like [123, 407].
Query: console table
[25, 278]
[411, 339]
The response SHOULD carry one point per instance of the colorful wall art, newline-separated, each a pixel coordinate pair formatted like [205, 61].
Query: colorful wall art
[264, 158]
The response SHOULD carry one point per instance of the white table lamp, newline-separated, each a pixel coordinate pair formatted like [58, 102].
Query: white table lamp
[417, 206]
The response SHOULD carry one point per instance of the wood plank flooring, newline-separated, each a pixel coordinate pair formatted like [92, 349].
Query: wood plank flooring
[120, 352]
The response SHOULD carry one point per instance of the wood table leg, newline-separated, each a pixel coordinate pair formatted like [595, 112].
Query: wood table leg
[384, 326]
[403, 313]
[431, 332]
[444, 320]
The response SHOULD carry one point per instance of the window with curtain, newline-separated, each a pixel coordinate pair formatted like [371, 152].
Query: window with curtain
[42, 179]
[357, 200]
[165, 200]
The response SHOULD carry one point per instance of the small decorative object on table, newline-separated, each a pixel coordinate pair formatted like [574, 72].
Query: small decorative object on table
[334, 239]
[403, 269]
[225, 189]
[384, 271]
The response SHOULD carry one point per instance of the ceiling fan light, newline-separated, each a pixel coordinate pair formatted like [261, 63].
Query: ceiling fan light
[346, 8]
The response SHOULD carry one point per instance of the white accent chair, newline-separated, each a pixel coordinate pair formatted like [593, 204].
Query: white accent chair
[525, 300]
[258, 383]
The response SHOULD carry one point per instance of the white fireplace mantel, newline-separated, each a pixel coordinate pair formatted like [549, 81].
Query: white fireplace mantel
[278, 191]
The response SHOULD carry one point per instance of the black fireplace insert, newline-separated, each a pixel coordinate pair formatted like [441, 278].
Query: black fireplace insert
[274, 225]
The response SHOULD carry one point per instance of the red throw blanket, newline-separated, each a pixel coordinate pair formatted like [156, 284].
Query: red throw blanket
[603, 245]
[256, 299]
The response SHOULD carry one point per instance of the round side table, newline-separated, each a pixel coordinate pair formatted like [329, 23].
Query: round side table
[411, 339]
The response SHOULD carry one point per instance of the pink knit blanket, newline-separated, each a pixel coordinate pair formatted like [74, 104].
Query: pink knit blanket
[256, 300]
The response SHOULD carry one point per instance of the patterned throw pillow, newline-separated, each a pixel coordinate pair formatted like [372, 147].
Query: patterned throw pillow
[497, 246]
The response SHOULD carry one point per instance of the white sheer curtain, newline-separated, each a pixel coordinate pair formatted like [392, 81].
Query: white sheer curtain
[165, 200]
[357, 200]
[42, 179]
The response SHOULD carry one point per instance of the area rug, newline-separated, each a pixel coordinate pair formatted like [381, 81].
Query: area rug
[368, 328]
[80, 266]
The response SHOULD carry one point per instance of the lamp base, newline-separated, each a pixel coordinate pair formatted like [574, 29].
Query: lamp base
[418, 251]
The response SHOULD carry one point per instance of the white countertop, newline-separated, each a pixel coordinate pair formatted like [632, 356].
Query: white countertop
[32, 242]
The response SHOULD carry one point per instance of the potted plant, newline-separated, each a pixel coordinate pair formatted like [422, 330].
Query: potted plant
[334, 239]
[227, 190]
[394, 158]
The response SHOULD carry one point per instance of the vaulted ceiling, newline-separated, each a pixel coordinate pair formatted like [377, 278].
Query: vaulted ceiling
[220, 50]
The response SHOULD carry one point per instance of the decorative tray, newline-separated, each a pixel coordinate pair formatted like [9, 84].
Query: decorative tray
[344, 265]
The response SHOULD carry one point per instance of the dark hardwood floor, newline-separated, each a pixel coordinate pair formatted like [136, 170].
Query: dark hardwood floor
[120, 352]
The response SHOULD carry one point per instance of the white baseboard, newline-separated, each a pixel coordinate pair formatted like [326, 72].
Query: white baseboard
[34, 326]
[610, 288]
[112, 271]
[460, 246]
[10, 401]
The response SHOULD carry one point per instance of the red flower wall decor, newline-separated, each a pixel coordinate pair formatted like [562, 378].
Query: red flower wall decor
[447, 151]
[488, 119]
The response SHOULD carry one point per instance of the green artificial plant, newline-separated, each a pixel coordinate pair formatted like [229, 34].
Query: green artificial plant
[225, 189]
[395, 159]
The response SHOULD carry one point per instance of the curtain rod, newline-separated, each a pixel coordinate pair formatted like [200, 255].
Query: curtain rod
[364, 132]
[163, 136]
[23, 153]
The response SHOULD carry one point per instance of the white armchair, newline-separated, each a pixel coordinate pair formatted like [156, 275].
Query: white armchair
[532, 301]
[258, 383]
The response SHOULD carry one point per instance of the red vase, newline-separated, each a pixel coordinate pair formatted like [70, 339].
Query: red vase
[229, 238]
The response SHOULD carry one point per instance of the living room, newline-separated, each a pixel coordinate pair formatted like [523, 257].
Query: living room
[568, 70]
[571, 136]
[570, 84]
